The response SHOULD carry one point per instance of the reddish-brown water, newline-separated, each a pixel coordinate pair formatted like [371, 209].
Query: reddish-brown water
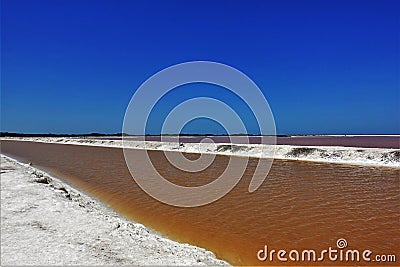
[301, 205]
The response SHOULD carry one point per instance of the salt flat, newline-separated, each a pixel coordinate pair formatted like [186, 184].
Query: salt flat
[46, 222]
[332, 154]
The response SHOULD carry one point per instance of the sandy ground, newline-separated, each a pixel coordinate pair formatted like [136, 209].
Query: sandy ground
[331, 154]
[46, 222]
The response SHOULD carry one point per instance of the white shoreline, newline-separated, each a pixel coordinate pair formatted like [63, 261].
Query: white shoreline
[380, 157]
[44, 221]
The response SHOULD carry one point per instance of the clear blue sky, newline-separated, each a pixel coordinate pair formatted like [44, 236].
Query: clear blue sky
[71, 66]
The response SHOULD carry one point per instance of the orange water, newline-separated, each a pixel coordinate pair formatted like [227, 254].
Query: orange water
[301, 205]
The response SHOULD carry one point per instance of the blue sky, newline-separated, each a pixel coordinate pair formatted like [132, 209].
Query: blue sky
[71, 66]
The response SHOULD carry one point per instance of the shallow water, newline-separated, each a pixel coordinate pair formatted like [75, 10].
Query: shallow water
[301, 205]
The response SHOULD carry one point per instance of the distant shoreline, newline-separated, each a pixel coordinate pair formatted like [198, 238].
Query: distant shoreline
[380, 157]
[17, 134]
[361, 141]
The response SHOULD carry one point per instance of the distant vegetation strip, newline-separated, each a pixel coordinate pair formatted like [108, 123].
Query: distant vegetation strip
[8, 134]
